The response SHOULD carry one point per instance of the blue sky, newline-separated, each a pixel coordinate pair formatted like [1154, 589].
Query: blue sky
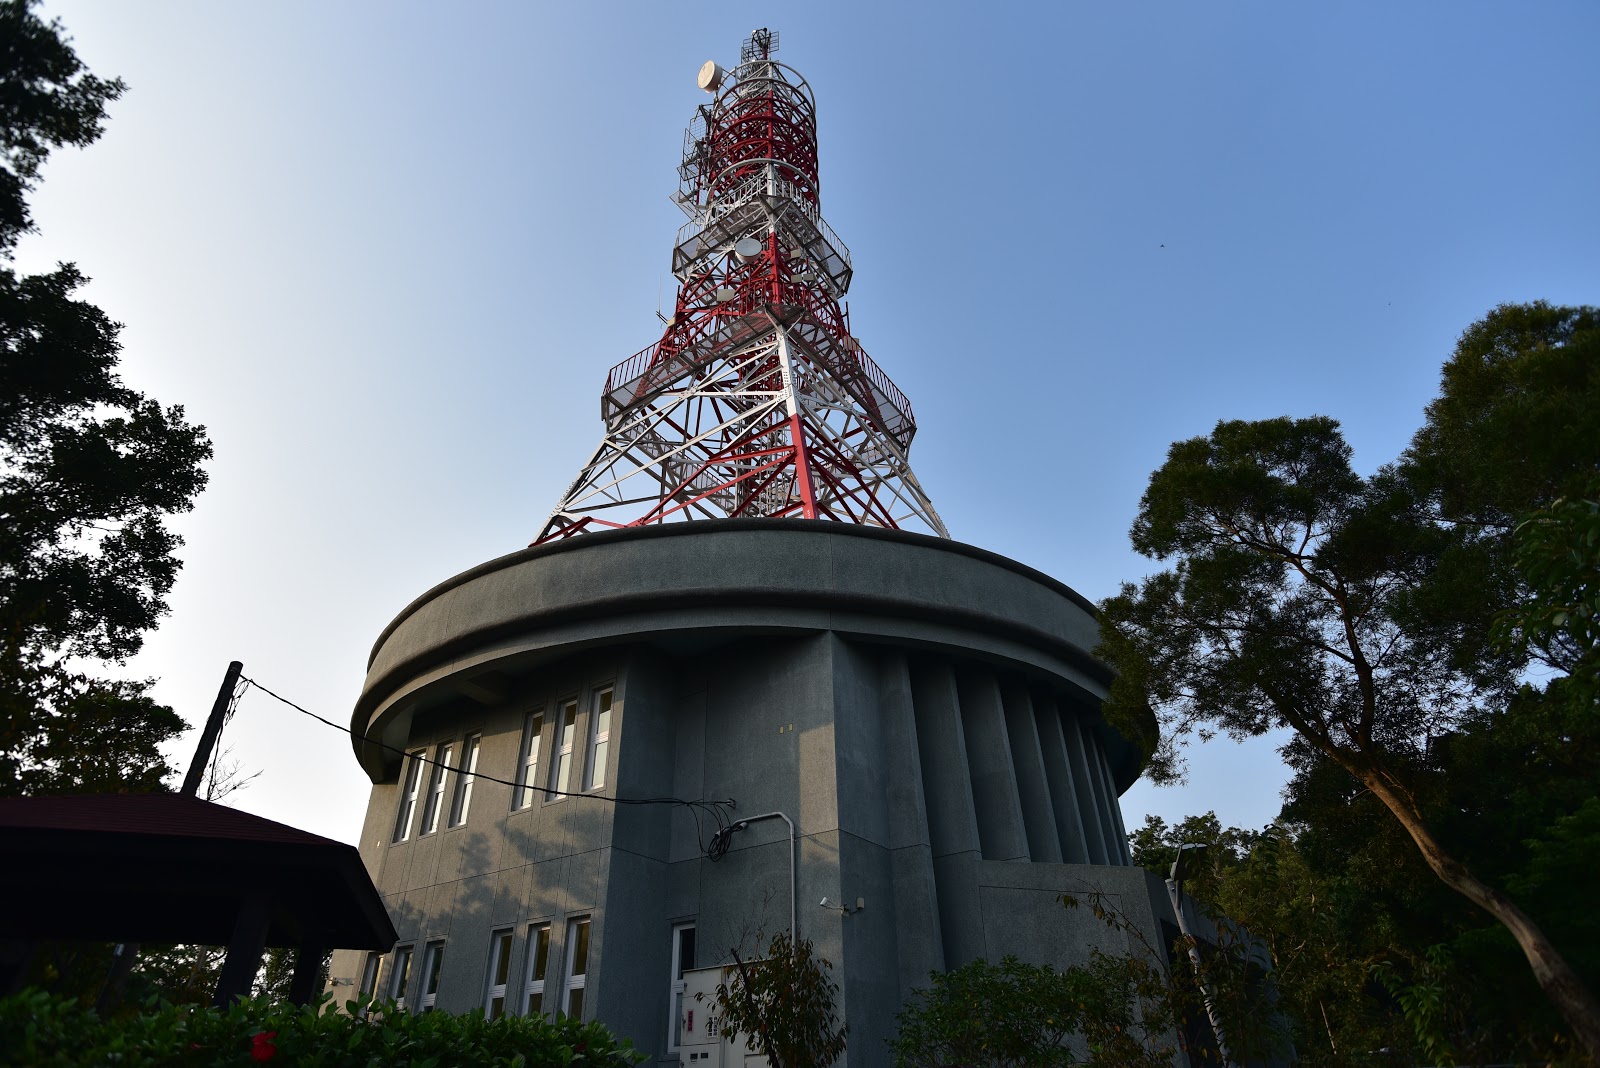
[386, 253]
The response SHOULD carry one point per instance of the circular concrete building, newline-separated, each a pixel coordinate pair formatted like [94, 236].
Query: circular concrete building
[923, 713]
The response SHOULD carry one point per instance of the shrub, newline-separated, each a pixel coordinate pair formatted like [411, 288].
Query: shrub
[45, 1031]
[1016, 1015]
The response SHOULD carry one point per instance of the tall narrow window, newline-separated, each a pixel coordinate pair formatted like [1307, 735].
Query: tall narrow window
[462, 802]
[411, 782]
[494, 1001]
[400, 975]
[436, 784]
[432, 963]
[538, 961]
[577, 966]
[369, 979]
[599, 740]
[528, 762]
[561, 773]
[682, 961]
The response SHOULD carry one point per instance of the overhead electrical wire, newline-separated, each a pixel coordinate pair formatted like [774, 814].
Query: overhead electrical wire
[715, 808]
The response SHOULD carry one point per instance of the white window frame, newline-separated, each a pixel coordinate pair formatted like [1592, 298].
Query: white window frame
[599, 749]
[499, 977]
[400, 973]
[528, 760]
[573, 980]
[437, 782]
[432, 967]
[370, 969]
[565, 745]
[410, 783]
[538, 965]
[461, 801]
[677, 986]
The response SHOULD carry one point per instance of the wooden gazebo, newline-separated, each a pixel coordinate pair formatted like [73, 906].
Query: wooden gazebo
[169, 868]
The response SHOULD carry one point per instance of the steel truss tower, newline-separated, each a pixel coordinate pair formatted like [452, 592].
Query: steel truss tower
[756, 400]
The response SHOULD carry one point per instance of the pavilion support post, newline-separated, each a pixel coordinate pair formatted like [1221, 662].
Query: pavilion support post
[244, 950]
[307, 969]
[16, 959]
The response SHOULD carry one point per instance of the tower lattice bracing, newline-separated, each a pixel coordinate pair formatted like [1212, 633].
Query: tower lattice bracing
[756, 401]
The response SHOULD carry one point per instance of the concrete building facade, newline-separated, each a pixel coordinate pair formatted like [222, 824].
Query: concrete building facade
[924, 712]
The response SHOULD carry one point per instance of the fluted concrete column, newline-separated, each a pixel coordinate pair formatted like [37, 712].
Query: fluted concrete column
[952, 817]
[1105, 797]
[918, 942]
[1038, 816]
[1058, 775]
[994, 779]
[1114, 807]
[1083, 781]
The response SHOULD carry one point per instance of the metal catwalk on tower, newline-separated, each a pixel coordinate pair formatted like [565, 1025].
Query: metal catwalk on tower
[756, 401]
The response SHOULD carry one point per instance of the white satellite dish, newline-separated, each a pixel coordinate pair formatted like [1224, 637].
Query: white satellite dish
[710, 76]
[747, 249]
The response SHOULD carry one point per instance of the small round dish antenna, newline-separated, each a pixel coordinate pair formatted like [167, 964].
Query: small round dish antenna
[710, 76]
[747, 249]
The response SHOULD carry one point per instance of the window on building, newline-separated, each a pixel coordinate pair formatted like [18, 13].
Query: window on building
[577, 972]
[369, 979]
[410, 783]
[528, 762]
[494, 1001]
[462, 801]
[599, 740]
[561, 772]
[400, 975]
[432, 964]
[682, 961]
[436, 784]
[538, 961]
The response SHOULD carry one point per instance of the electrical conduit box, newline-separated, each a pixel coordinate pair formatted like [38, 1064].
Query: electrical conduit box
[702, 1043]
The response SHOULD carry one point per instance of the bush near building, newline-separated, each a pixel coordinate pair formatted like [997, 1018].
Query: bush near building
[45, 1031]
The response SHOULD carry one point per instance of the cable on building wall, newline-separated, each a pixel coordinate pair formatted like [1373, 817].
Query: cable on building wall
[716, 809]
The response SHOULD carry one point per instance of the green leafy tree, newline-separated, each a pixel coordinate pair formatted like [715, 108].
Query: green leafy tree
[1557, 553]
[784, 1005]
[1016, 1015]
[1356, 611]
[47, 100]
[89, 471]
[1323, 928]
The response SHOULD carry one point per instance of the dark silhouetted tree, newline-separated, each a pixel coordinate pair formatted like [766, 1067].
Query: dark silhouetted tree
[1358, 611]
[89, 471]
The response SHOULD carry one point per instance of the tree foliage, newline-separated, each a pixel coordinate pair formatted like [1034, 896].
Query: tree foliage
[1557, 552]
[1016, 1015]
[49, 1032]
[47, 100]
[784, 1005]
[90, 469]
[1358, 611]
[1369, 950]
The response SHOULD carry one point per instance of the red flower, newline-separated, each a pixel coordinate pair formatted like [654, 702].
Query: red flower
[261, 1047]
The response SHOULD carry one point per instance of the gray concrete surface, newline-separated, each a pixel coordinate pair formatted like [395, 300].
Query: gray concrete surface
[923, 711]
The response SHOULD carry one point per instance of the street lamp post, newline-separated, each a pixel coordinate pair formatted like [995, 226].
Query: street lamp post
[1175, 892]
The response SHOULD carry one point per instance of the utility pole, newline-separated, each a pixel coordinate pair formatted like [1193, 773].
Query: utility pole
[123, 957]
[213, 728]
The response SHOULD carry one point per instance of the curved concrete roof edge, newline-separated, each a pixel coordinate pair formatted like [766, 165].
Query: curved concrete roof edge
[700, 526]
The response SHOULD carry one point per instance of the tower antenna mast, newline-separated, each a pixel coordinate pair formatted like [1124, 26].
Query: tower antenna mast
[756, 401]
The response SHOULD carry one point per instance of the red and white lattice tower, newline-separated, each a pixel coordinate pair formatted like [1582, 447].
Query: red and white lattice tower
[756, 401]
